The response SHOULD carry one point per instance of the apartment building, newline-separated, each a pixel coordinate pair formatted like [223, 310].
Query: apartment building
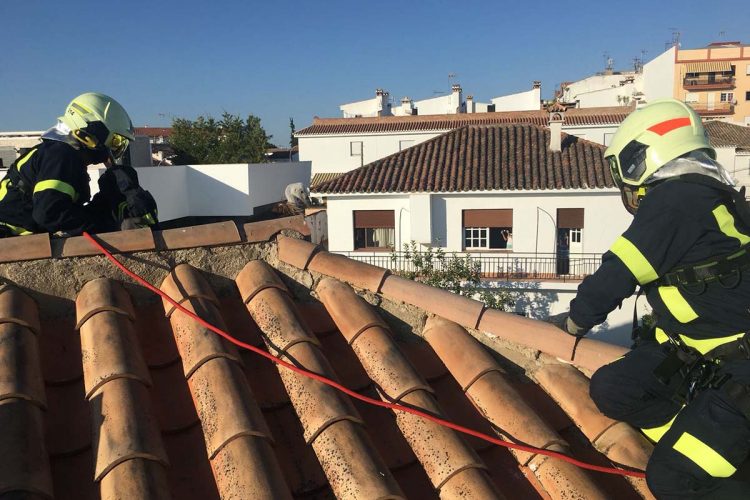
[715, 80]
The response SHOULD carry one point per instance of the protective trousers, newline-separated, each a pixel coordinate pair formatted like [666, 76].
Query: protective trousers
[699, 445]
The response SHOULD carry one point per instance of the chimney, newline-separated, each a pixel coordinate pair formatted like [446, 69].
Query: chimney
[406, 106]
[470, 104]
[536, 84]
[455, 106]
[556, 119]
[381, 102]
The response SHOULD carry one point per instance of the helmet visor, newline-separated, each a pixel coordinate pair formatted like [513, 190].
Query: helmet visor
[632, 160]
[118, 145]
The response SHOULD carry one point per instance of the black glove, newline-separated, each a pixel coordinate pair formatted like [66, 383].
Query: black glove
[125, 177]
[564, 323]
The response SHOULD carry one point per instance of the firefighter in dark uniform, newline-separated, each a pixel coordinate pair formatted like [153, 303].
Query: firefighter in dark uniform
[47, 188]
[685, 383]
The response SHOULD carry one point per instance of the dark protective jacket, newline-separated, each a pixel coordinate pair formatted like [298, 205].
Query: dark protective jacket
[678, 223]
[47, 190]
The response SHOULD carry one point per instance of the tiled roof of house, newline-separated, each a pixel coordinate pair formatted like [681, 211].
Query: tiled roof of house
[416, 123]
[322, 177]
[723, 134]
[481, 158]
[154, 131]
[106, 392]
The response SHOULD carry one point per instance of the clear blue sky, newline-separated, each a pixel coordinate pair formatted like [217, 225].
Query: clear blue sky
[279, 59]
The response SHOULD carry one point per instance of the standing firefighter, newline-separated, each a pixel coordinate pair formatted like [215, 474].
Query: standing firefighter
[47, 188]
[686, 383]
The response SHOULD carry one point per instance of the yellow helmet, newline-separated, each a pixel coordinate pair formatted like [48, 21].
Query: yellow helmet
[99, 122]
[648, 139]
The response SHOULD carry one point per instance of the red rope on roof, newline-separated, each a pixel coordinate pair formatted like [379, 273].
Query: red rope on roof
[356, 395]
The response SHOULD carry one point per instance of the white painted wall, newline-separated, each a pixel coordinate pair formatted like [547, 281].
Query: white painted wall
[604, 220]
[522, 101]
[534, 217]
[341, 218]
[216, 190]
[377, 106]
[604, 90]
[450, 104]
[658, 76]
[331, 153]
[737, 163]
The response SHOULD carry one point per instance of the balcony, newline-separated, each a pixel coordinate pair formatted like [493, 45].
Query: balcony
[717, 109]
[707, 82]
[496, 266]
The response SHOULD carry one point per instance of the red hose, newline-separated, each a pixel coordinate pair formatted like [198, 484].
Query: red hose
[349, 392]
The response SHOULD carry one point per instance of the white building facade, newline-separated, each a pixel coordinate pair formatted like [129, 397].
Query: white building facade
[338, 145]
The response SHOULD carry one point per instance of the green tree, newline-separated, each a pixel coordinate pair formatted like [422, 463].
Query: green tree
[206, 140]
[293, 129]
[460, 275]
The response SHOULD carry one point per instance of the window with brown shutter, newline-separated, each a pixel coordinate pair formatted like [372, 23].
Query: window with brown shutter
[570, 218]
[374, 229]
[488, 228]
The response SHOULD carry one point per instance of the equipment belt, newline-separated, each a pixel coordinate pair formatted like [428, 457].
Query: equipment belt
[724, 270]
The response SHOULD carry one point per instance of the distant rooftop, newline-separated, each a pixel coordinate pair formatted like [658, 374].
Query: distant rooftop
[481, 158]
[573, 117]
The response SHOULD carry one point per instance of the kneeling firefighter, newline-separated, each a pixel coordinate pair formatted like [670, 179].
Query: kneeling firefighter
[686, 383]
[47, 188]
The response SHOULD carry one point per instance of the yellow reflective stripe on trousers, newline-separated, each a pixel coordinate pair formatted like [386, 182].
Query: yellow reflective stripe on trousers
[704, 456]
[727, 226]
[3, 188]
[61, 186]
[26, 158]
[18, 231]
[703, 346]
[677, 304]
[634, 260]
[656, 433]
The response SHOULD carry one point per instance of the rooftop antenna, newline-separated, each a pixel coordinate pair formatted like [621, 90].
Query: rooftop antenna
[722, 35]
[451, 76]
[675, 41]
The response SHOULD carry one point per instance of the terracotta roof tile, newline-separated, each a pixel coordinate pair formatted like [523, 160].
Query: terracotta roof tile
[724, 134]
[426, 123]
[481, 158]
[24, 463]
[233, 427]
[124, 241]
[219, 233]
[31, 247]
[619, 442]
[211, 433]
[448, 461]
[485, 384]
[329, 421]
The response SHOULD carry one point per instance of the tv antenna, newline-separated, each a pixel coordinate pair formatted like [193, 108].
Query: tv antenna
[675, 41]
[610, 63]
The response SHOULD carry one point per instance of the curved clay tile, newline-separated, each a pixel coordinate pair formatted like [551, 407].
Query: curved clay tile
[329, 421]
[24, 464]
[446, 457]
[237, 439]
[484, 382]
[618, 441]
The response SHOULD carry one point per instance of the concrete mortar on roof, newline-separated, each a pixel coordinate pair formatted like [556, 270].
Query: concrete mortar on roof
[56, 282]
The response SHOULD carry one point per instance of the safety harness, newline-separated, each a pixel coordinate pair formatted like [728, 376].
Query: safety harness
[685, 371]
